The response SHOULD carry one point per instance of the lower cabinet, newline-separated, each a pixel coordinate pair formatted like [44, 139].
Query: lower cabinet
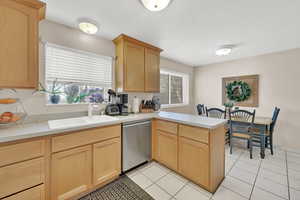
[107, 160]
[167, 149]
[194, 160]
[36, 193]
[71, 172]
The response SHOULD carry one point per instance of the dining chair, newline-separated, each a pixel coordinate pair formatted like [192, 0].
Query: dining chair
[215, 113]
[200, 109]
[241, 123]
[220, 114]
[268, 132]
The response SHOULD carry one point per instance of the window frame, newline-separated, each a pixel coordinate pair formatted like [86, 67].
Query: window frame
[185, 88]
[44, 80]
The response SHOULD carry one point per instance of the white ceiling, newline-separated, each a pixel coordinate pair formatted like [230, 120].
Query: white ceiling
[190, 31]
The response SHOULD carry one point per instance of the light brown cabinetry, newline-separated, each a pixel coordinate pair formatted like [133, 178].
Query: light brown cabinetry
[137, 65]
[71, 172]
[83, 160]
[107, 160]
[152, 70]
[167, 152]
[194, 160]
[21, 176]
[35, 193]
[19, 42]
[194, 152]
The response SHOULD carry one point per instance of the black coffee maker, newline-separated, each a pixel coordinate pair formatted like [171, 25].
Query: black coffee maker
[112, 108]
[123, 104]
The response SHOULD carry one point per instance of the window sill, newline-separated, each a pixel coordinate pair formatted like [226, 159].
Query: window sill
[174, 105]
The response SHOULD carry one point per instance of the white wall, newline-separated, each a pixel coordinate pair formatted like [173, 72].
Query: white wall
[70, 37]
[278, 86]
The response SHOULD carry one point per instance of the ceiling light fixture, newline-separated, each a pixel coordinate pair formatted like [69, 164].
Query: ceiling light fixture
[155, 5]
[224, 50]
[88, 27]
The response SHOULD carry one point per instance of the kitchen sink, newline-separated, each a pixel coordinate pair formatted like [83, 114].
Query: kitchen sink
[79, 121]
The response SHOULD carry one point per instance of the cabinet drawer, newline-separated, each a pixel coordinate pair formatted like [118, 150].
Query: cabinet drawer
[194, 133]
[169, 127]
[84, 137]
[21, 176]
[36, 193]
[23, 151]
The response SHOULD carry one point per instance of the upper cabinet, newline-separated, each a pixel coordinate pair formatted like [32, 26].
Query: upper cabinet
[137, 65]
[19, 23]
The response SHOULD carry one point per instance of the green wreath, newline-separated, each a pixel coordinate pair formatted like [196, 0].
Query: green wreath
[238, 91]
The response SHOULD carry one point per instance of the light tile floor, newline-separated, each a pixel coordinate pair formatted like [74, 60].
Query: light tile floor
[273, 178]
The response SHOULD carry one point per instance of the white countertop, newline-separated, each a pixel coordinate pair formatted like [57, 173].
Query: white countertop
[38, 129]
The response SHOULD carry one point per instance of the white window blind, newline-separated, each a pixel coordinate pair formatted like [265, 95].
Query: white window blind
[75, 66]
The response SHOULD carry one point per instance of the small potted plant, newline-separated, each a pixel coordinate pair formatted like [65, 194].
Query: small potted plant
[54, 92]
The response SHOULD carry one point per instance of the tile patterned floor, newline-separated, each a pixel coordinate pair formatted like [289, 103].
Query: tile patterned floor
[274, 178]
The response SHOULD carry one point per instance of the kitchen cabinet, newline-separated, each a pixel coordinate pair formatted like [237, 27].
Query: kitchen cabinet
[19, 42]
[21, 176]
[137, 65]
[194, 152]
[152, 70]
[106, 160]
[35, 193]
[167, 149]
[71, 172]
[193, 160]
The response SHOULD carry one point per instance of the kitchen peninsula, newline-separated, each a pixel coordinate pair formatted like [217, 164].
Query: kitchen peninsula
[38, 160]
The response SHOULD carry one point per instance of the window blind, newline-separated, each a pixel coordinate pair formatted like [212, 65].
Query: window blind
[75, 66]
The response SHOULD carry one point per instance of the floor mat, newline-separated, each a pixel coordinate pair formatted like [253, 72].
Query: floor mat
[121, 189]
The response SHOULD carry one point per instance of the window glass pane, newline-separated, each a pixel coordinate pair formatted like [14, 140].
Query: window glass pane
[164, 89]
[176, 90]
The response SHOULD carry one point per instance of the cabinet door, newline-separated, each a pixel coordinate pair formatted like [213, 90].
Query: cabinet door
[107, 160]
[152, 71]
[134, 72]
[19, 45]
[71, 172]
[36, 193]
[194, 161]
[167, 149]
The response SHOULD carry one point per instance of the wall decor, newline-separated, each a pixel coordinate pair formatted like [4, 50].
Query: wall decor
[242, 90]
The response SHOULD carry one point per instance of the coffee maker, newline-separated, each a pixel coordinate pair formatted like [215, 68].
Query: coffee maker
[112, 108]
[123, 104]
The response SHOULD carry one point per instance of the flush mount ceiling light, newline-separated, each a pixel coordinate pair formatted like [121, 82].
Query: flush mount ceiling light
[88, 27]
[224, 50]
[155, 5]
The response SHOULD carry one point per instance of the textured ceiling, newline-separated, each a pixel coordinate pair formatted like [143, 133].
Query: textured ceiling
[190, 31]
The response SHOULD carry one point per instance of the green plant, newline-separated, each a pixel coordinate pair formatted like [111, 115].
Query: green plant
[54, 90]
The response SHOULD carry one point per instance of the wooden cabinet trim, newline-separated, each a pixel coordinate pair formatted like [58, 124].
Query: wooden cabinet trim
[194, 133]
[167, 126]
[84, 137]
[14, 153]
[35, 193]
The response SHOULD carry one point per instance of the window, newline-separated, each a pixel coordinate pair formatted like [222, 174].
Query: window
[78, 74]
[174, 88]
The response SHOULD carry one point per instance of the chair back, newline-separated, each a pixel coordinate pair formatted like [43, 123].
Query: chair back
[274, 119]
[215, 113]
[242, 116]
[200, 109]
[241, 120]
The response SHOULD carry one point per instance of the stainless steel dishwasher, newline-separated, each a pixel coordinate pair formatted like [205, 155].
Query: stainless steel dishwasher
[136, 144]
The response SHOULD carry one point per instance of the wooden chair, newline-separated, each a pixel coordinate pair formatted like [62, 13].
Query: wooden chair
[241, 122]
[215, 113]
[268, 134]
[200, 109]
[220, 114]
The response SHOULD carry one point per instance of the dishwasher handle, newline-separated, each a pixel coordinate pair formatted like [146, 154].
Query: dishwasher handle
[137, 124]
